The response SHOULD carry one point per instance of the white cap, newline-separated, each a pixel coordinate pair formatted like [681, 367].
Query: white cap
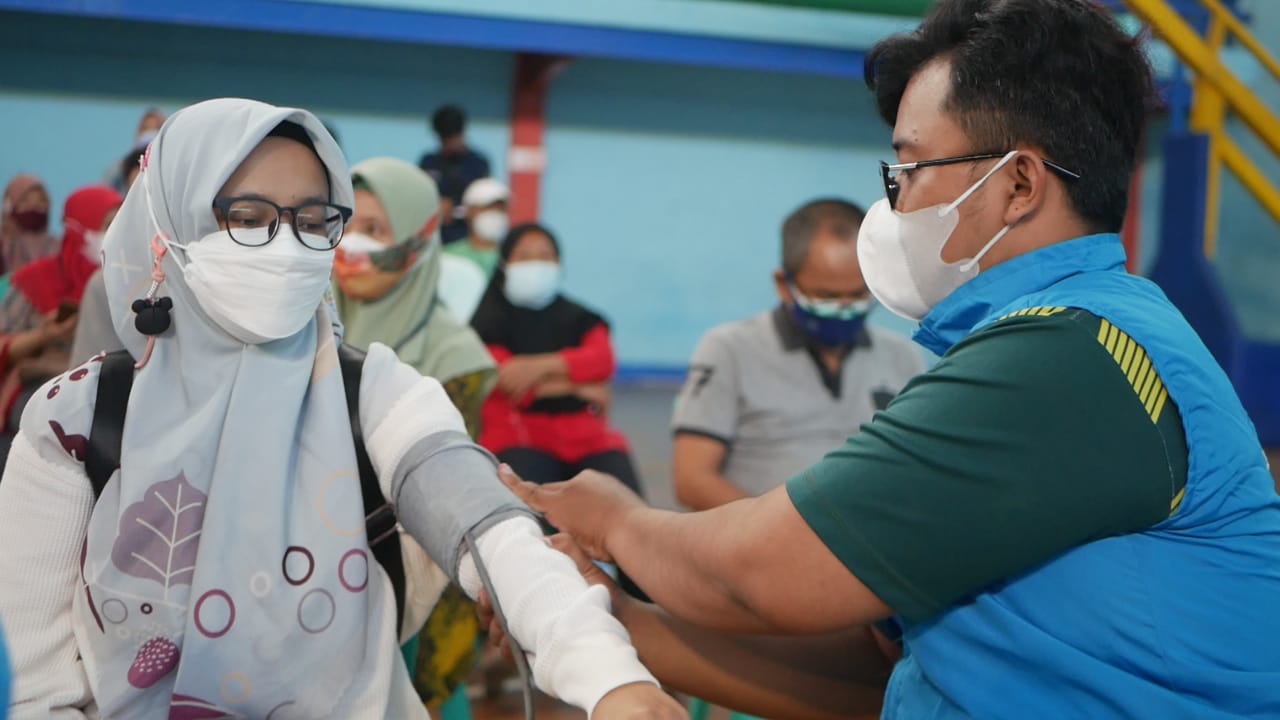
[485, 191]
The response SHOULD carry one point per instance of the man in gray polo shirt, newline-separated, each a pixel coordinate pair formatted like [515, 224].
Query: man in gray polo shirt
[768, 396]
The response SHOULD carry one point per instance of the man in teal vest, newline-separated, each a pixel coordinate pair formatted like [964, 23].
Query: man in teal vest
[1068, 517]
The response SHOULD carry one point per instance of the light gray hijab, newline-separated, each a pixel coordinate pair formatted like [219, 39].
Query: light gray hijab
[226, 566]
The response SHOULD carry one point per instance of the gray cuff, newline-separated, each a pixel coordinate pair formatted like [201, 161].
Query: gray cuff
[445, 487]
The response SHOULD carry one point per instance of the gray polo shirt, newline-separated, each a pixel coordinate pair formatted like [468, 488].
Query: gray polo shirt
[757, 386]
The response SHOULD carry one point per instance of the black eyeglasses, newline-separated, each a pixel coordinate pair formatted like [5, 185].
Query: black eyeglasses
[254, 221]
[890, 172]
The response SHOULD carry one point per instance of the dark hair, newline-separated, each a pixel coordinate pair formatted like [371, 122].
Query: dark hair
[841, 217]
[449, 121]
[131, 161]
[513, 237]
[1060, 75]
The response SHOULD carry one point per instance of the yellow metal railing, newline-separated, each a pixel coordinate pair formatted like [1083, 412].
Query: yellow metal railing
[1217, 90]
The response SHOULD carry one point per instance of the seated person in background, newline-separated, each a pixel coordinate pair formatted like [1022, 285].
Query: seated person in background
[38, 312]
[24, 226]
[768, 396]
[486, 204]
[546, 418]
[388, 272]
[224, 567]
[453, 167]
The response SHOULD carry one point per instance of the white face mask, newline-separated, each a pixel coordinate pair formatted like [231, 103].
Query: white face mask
[360, 244]
[257, 294]
[93, 245]
[901, 253]
[491, 225]
[532, 284]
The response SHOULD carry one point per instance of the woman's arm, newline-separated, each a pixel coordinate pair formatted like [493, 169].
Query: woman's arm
[448, 497]
[45, 503]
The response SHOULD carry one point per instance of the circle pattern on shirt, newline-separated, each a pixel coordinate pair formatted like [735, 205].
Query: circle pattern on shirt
[355, 562]
[260, 583]
[235, 687]
[316, 611]
[339, 491]
[297, 565]
[215, 613]
[115, 611]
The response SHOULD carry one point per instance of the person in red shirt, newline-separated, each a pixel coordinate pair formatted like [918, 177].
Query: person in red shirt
[547, 417]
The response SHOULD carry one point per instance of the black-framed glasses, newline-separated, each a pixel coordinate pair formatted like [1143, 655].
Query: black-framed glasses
[254, 221]
[890, 173]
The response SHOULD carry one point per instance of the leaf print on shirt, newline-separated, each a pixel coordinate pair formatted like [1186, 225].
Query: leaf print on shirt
[186, 707]
[160, 534]
[77, 446]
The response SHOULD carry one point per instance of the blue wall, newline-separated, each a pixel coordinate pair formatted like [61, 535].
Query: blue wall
[666, 183]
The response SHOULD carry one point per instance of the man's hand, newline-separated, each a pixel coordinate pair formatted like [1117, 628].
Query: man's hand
[589, 507]
[638, 701]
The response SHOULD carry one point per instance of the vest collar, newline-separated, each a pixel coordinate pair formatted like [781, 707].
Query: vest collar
[964, 310]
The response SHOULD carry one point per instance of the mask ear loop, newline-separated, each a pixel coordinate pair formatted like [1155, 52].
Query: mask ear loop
[151, 314]
[969, 264]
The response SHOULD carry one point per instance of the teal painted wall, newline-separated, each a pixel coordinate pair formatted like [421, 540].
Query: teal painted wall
[666, 184]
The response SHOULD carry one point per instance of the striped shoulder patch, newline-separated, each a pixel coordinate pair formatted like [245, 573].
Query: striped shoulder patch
[1036, 311]
[1141, 374]
[1136, 366]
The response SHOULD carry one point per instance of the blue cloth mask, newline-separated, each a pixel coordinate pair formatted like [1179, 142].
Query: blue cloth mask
[830, 323]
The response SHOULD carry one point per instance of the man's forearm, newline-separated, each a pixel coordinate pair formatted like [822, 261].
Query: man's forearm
[838, 675]
[686, 562]
[706, 490]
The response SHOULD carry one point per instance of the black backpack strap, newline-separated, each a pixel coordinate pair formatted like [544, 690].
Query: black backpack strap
[380, 516]
[115, 381]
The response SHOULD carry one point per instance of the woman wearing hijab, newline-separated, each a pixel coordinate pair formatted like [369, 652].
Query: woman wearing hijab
[24, 224]
[546, 419]
[224, 569]
[388, 275]
[38, 312]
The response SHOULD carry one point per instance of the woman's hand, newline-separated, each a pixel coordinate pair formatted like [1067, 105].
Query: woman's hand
[522, 373]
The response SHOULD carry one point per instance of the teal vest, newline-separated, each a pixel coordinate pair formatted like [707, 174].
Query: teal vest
[1179, 621]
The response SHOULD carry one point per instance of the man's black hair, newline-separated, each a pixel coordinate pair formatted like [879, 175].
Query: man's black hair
[449, 121]
[1058, 75]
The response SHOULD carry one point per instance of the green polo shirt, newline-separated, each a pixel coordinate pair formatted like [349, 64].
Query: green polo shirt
[1039, 433]
[487, 259]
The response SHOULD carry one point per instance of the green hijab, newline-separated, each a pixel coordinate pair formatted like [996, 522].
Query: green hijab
[409, 318]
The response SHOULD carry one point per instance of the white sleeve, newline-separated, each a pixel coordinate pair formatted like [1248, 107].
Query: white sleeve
[45, 504]
[579, 651]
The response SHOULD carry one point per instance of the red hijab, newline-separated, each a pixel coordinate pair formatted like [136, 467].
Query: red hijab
[60, 278]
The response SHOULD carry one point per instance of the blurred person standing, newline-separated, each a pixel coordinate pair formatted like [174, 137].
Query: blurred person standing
[454, 166]
[485, 202]
[120, 174]
[768, 396]
[388, 273]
